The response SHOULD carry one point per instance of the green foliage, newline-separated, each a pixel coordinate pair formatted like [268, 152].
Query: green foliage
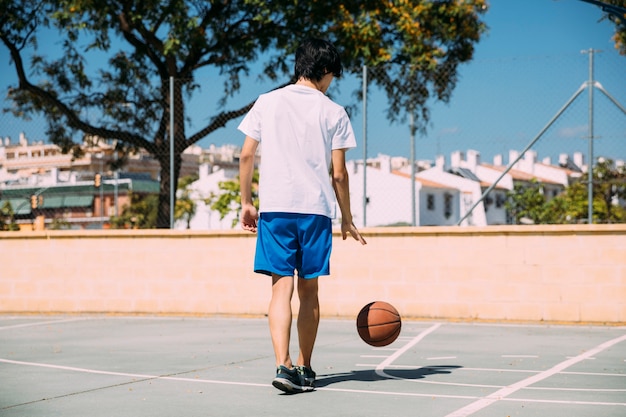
[7, 218]
[59, 224]
[413, 47]
[609, 189]
[185, 207]
[526, 203]
[229, 198]
[618, 16]
[568, 207]
[141, 213]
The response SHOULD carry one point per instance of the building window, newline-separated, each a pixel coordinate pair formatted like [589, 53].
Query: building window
[430, 201]
[447, 205]
[500, 200]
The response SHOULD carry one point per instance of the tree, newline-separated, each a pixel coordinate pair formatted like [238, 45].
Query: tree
[141, 213]
[609, 193]
[7, 218]
[526, 203]
[620, 26]
[185, 207]
[609, 188]
[59, 224]
[616, 12]
[228, 200]
[416, 44]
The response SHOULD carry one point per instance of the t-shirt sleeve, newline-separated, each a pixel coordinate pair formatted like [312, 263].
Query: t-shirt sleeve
[344, 135]
[251, 123]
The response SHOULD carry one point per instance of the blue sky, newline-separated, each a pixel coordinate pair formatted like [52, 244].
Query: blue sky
[526, 67]
[524, 70]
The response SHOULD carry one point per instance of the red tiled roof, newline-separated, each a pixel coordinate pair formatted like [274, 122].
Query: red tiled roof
[521, 175]
[423, 181]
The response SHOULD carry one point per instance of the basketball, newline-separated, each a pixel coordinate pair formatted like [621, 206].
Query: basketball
[378, 323]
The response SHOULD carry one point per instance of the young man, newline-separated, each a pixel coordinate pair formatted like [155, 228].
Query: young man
[304, 137]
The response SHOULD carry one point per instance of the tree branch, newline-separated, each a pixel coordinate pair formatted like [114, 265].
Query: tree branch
[217, 122]
[221, 119]
[51, 100]
[127, 32]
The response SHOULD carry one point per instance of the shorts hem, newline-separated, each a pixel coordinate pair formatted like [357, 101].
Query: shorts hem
[270, 273]
[314, 275]
[293, 274]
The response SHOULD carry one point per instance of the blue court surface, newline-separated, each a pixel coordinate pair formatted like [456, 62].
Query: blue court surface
[223, 366]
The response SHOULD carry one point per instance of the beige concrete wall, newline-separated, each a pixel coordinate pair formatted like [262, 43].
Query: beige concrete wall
[528, 273]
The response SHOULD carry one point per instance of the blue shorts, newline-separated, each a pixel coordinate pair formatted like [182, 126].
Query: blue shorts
[288, 242]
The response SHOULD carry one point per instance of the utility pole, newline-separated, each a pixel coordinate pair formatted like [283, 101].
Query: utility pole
[590, 85]
[616, 14]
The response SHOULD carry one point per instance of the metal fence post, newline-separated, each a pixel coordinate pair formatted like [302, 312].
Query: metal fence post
[172, 152]
[364, 145]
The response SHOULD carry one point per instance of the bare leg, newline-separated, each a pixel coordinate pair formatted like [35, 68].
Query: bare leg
[308, 319]
[280, 318]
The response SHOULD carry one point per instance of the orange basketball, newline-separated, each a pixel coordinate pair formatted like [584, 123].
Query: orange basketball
[378, 323]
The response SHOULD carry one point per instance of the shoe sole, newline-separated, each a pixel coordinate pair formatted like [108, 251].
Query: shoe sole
[287, 386]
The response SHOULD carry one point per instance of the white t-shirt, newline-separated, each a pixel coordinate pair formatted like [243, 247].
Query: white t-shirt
[297, 127]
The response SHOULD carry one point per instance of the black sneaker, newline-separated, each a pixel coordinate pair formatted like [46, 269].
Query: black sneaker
[307, 377]
[288, 380]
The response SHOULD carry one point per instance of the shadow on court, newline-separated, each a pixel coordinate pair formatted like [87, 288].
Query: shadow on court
[372, 376]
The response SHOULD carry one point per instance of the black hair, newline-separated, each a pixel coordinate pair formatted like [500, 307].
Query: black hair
[316, 58]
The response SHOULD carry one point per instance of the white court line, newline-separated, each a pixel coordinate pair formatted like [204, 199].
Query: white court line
[498, 370]
[422, 381]
[520, 356]
[395, 393]
[526, 400]
[380, 369]
[576, 389]
[416, 367]
[209, 381]
[535, 400]
[42, 323]
[592, 374]
[506, 391]
[130, 375]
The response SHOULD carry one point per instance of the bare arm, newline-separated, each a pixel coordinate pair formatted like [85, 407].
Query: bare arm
[341, 185]
[249, 215]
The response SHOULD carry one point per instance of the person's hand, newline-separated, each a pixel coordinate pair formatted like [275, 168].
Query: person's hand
[349, 227]
[249, 217]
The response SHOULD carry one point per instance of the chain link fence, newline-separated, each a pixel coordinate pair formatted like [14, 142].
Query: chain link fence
[519, 140]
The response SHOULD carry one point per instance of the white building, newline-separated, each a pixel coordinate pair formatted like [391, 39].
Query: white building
[444, 193]
[466, 184]
[389, 191]
[201, 191]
